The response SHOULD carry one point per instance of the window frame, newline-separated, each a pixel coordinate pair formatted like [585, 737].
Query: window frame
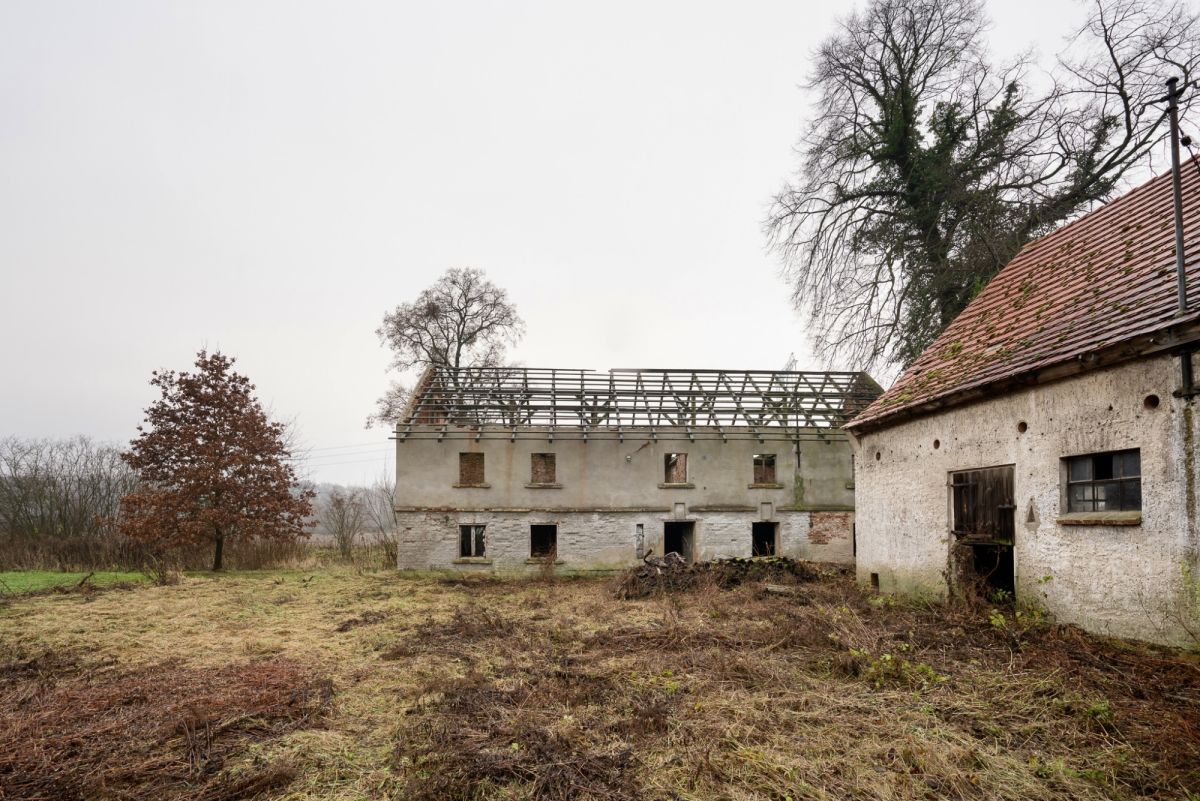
[1126, 501]
[682, 460]
[553, 549]
[549, 457]
[475, 541]
[769, 460]
[463, 458]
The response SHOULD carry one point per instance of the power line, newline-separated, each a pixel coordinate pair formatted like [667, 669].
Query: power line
[343, 447]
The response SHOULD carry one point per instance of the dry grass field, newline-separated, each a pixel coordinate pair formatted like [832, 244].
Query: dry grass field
[343, 685]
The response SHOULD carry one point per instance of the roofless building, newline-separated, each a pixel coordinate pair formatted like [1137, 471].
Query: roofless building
[509, 468]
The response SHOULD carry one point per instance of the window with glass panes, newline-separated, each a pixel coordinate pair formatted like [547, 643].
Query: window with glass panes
[470, 541]
[1105, 482]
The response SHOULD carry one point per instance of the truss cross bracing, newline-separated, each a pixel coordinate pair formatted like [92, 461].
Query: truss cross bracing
[522, 402]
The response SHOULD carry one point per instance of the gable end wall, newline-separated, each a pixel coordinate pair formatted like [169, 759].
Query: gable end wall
[1133, 581]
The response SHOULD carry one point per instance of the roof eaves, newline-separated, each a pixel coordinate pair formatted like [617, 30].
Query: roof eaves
[1178, 332]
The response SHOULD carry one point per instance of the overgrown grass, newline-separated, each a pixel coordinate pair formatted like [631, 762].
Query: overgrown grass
[551, 689]
[26, 581]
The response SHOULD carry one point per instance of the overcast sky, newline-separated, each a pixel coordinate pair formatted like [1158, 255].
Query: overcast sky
[266, 178]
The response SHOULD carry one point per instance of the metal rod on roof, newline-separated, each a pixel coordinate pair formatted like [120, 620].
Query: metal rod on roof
[1173, 95]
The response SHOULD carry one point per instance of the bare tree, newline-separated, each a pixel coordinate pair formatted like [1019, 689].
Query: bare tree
[380, 510]
[926, 167]
[342, 515]
[56, 498]
[463, 320]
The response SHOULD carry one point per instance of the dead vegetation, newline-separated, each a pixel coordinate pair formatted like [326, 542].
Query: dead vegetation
[821, 693]
[554, 688]
[74, 730]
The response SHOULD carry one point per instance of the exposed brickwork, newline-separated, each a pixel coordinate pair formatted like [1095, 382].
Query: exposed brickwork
[764, 468]
[676, 468]
[542, 468]
[829, 526]
[470, 468]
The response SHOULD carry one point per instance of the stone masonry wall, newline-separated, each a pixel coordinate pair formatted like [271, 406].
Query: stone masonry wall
[602, 540]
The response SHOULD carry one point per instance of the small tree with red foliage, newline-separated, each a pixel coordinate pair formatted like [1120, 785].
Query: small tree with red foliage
[213, 467]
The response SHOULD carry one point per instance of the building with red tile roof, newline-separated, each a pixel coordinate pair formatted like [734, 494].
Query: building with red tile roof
[1045, 444]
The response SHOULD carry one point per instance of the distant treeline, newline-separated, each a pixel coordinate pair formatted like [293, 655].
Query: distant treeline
[59, 499]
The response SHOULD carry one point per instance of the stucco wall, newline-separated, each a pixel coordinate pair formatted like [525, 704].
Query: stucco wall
[609, 474]
[1134, 581]
[600, 540]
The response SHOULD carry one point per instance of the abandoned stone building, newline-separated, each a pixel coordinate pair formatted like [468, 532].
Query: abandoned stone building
[511, 468]
[1045, 443]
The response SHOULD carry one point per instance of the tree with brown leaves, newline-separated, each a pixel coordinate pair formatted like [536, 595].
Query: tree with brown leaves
[213, 467]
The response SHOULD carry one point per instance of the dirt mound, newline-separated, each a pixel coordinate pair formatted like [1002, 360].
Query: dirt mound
[671, 573]
[160, 732]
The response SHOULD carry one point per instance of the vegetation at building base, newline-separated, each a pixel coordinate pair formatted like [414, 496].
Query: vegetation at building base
[448, 686]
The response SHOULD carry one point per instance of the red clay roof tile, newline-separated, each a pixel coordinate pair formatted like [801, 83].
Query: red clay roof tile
[1100, 280]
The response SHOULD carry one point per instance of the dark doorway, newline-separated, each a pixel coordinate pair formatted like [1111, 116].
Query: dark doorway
[680, 538]
[762, 539]
[985, 524]
[993, 566]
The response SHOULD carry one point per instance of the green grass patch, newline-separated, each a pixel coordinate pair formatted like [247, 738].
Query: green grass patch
[19, 582]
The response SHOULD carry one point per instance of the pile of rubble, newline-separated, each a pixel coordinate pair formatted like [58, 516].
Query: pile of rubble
[672, 573]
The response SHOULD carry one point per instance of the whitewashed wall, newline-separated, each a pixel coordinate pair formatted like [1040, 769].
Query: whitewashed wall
[1134, 581]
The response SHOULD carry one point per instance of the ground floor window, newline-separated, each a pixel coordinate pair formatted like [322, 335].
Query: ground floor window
[762, 539]
[1105, 482]
[543, 541]
[470, 541]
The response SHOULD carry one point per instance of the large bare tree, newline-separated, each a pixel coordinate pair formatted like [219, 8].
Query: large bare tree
[926, 167]
[463, 320]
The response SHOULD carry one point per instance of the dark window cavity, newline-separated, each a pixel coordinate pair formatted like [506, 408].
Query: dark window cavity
[1105, 482]
[676, 469]
[541, 468]
[762, 539]
[543, 541]
[470, 468]
[764, 468]
[470, 541]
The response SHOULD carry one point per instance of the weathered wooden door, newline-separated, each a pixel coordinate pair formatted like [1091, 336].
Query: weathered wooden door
[984, 520]
[983, 505]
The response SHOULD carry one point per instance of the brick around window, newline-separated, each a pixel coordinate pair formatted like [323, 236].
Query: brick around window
[470, 468]
[542, 469]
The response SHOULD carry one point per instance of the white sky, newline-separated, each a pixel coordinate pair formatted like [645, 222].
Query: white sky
[267, 178]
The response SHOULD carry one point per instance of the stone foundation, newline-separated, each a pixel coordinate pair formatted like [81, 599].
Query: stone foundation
[606, 540]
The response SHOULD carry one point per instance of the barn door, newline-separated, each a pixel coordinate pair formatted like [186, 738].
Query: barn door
[984, 521]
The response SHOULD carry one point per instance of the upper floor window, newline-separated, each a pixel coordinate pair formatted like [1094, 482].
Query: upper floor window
[1105, 482]
[470, 468]
[675, 471]
[764, 468]
[542, 469]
